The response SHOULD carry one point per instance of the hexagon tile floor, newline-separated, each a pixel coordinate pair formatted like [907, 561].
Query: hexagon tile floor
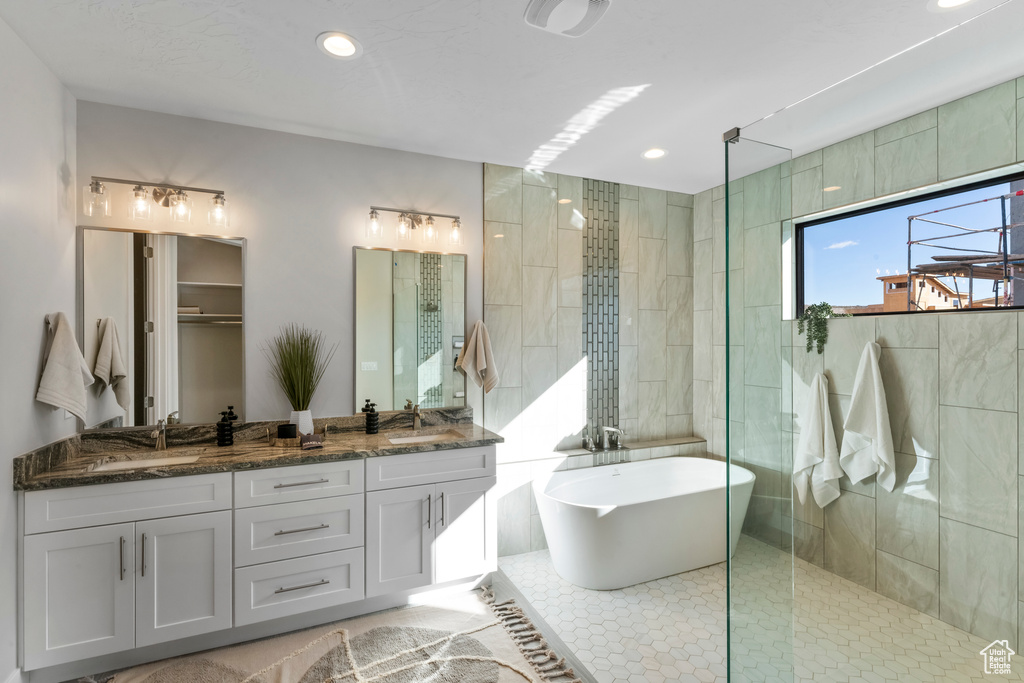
[673, 629]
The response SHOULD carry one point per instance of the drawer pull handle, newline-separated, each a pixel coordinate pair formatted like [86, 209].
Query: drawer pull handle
[430, 509]
[120, 557]
[143, 555]
[302, 483]
[321, 582]
[299, 531]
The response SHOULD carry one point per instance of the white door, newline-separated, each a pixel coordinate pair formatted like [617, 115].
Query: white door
[184, 577]
[79, 594]
[399, 539]
[465, 529]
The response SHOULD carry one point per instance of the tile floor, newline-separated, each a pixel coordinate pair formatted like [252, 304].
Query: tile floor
[673, 629]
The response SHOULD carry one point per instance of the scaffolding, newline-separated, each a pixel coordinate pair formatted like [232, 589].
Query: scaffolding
[999, 266]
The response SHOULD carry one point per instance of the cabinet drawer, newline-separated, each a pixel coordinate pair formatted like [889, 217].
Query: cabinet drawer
[309, 527]
[302, 482]
[415, 469]
[128, 501]
[279, 589]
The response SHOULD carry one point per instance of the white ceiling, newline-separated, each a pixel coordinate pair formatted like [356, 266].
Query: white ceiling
[468, 79]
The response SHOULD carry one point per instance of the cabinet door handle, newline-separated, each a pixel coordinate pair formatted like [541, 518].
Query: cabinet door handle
[299, 531]
[120, 557]
[301, 483]
[321, 582]
[430, 509]
[143, 555]
[440, 522]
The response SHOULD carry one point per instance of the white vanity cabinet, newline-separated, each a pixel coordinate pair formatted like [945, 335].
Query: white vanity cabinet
[138, 579]
[430, 518]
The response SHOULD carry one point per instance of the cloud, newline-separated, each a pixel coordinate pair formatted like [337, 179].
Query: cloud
[842, 245]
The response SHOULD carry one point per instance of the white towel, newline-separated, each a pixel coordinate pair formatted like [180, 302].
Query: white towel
[109, 367]
[476, 360]
[867, 443]
[816, 462]
[65, 372]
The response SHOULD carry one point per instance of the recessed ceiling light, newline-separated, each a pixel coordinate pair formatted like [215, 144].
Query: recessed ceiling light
[339, 45]
[833, 188]
[654, 153]
[565, 201]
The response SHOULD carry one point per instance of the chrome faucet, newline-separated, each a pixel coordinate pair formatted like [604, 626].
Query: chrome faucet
[606, 440]
[416, 424]
[160, 434]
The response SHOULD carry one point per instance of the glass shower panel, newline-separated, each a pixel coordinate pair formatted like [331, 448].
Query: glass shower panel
[755, 354]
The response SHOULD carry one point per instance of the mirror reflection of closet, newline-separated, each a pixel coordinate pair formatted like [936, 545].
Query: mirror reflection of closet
[177, 303]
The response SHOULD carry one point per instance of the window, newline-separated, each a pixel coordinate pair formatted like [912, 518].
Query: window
[961, 248]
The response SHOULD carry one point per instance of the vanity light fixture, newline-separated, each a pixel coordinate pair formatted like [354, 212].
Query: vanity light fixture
[339, 45]
[414, 223]
[374, 229]
[95, 199]
[654, 153]
[429, 231]
[455, 236]
[142, 196]
[404, 228]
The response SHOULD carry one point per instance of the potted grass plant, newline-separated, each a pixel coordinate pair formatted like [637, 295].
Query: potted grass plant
[298, 359]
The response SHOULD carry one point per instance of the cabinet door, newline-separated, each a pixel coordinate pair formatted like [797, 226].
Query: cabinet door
[79, 594]
[399, 539]
[184, 577]
[465, 529]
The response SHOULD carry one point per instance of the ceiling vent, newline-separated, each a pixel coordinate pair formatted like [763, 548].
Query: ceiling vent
[566, 17]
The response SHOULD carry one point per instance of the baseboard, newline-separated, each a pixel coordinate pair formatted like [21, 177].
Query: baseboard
[15, 677]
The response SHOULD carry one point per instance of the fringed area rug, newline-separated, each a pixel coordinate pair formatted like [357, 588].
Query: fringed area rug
[471, 639]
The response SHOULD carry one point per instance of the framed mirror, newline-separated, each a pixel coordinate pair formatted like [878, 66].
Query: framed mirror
[176, 306]
[410, 327]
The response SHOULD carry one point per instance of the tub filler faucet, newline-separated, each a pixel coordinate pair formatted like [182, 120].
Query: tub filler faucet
[606, 439]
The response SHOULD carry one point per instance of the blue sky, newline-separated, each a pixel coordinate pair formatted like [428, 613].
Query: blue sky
[842, 259]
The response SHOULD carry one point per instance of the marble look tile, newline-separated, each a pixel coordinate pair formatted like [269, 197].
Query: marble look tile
[540, 373]
[718, 192]
[501, 410]
[570, 216]
[737, 235]
[850, 538]
[977, 132]
[761, 192]
[653, 213]
[537, 539]
[680, 239]
[629, 308]
[907, 163]
[978, 468]
[629, 236]
[762, 348]
[907, 331]
[908, 583]
[652, 410]
[703, 218]
[679, 379]
[629, 192]
[786, 168]
[702, 345]
[629, 387]
[908, 517]
[906, 127]
[503, 259]
[762, 266]
[701, 407]
[678, 425]
[540, 178]
[761, 434]
[680, 311]
[910, 378]
[977, 360]
[806, 188]
[540, 243]
[503, 193]
[974, 595]
[806, 162]
[849, 165]
[540, 306]
[702, 275]
[737, 312]
[505, 326]
[514, 522]
[718, 310]
[570, 268]
[847, 338]
[680, 199]
[718, 393]
[1020, 534]
[653, 264]
[570, 339]
[652, 346]
[541, 430]
[809, 543]
[786, 197]
[718, 236]
[1020, 128]
[737, 388]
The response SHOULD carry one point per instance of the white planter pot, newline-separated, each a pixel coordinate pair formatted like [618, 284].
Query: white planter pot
[304, 420]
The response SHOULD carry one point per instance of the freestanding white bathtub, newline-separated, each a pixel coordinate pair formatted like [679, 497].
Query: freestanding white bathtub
[618, 525]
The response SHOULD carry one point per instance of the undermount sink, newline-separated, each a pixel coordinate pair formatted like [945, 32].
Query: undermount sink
[142, 464]
[424, 438]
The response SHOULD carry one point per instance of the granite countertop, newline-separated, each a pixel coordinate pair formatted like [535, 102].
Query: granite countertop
[77, 469]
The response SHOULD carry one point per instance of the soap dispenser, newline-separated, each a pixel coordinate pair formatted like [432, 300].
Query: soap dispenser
[372, 419]
[225, 430]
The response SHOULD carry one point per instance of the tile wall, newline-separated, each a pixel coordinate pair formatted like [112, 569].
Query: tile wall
[533, 308]
[952, 380]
